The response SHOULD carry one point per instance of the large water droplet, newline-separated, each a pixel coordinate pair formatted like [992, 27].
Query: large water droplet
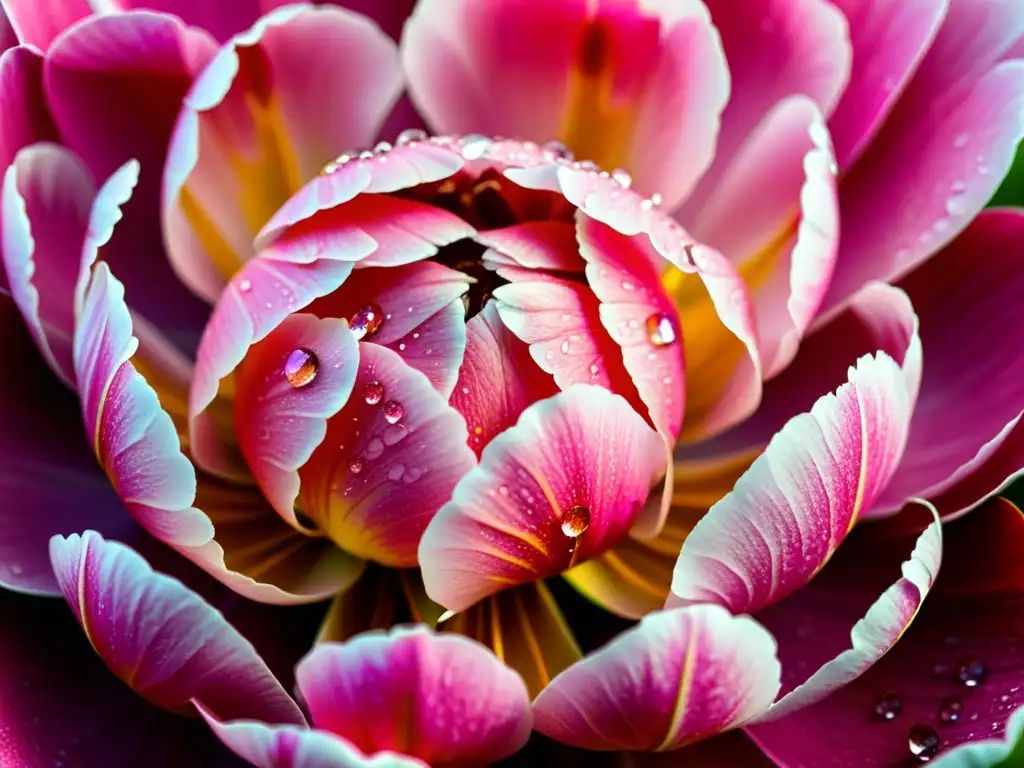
[373, 392]
[950, 710]
[356, 465]
[300, 367]
[409, 135]
[393, 411]
[394, 434]
[971, 671]
[661, 329]
[622, 177]
[924, 742]
[367, 321]
[475, 146]
[575, 521]
[888, 707]
[559, 150]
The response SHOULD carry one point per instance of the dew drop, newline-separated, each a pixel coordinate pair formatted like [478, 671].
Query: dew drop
[365, 155]
[971, 671]
[558, 150]
[394, 434]
[412, 475]
[956, 206]
[661, 329]
[374, 448]
[373, 392]
[575, 521]
[367, 321]
[960, 140]
[950, 710]
[395, 472]
[356, 466]
[393, 411]
[924, 742]
[245, 286]
[622, 177]
[503, 490]
[628, 286]
[475, 146]
[594, 370]
[410, 135]
[564, 347]
[888, 707]
[300, 367]
[959, 186]
[656, 199]
[382, 146]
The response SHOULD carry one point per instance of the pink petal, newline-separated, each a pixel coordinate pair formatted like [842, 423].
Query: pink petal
[39, 22]
[133, 437]
[870, 639]
[979, 275]
[290, 384]
[99, 84]
[1002, 467]
[620, 85]
[774, 49]
[784, 244]
[459, 704]
[51, 238]
[889, 39]
[161, 638]
[941, 154]
[497, 381]
[220, 20]
[971, 617]
[26, 116]
[548, 493]
[288, 746]
[389, 461]
[50, 482]
[419, 312]
[792, 509]
[677, 677]
[251, 122]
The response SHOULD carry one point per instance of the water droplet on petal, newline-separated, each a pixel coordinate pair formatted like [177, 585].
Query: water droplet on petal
[950, 710]
[575, 521]
[396, 471]
[559, 150]
[382, 146]
[656, 199]
[661, 329]
[300, 367]
[365, 155]
[960, 140]
[367, 321]
[409, 135]
[393, 411]
[888, 707]
[924, 742]
[475, 146]
[503, 490]
[564, 347]
[394, 434]
[373, 392]
[628, 286]
[356, 465]
[622, 177]
[971, 671]
[374, 448]
[245, 286]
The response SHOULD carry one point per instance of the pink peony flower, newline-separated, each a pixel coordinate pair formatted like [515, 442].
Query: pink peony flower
[649, 424]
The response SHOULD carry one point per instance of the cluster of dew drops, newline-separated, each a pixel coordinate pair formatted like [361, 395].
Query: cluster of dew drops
[923, 739]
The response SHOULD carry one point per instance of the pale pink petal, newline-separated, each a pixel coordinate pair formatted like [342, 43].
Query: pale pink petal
[133, 437]
[624, 86]
[54, 223]
[942, 153]
[889, 39]
[679, 676]
[38, 22]
[252, 131]
[562, 486]
[774, 49]
[161, 638]
[459, 705]
[26, 116]
[390, 459]
[792, 509]
[498, 379]
[290, 385]
[289, 746]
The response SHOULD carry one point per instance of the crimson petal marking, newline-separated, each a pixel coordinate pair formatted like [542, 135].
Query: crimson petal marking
[132, 436]
[160, 637]
[51, 239]
[562, 467]
[460, 705]
[498, 379]
[289, 746]
[792, 509]
[390, 459]
[677, 677]
[280, 423]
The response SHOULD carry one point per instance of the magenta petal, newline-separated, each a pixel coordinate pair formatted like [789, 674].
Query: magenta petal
[161, 638]
[459, 705]
[26, 116]
[498, 379]
[564, 485]
[222, 20]
[99, 82]
[289, 746]
[133, 437]
[38, 22]
[792, 509]
[291, 383]
[677, 677]
[1004, 465]
[389, 461]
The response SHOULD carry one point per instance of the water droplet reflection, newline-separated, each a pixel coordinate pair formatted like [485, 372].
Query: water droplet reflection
[971, 671]
[924, 742]
[300, 367]
[661, 329]
[950, 710]
[393, 411]
[367, 321]
[373, 392]
[888, 707]
[575, 521]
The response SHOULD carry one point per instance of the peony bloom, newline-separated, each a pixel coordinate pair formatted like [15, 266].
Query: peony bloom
[654, 421]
